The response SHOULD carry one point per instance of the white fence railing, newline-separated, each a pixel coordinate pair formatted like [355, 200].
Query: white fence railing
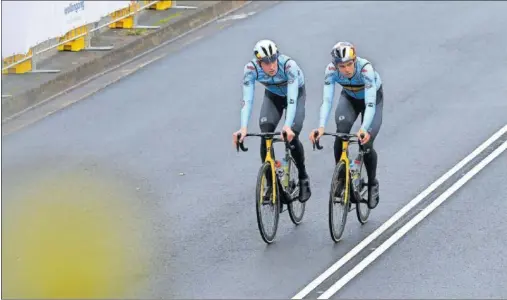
[53, 19]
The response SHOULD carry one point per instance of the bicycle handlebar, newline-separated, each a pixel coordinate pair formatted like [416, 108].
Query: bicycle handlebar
[344, 136]
[240, 145]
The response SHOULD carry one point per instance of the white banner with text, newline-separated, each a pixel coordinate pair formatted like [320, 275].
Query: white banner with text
[28, 23]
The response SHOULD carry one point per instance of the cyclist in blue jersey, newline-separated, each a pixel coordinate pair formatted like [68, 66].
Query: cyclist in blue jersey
[362, 93]
[285, 89]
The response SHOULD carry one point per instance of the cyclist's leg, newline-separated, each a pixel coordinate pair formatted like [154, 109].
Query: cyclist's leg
[269, 117]
[345, 116]
[299, 153]
[371, 156]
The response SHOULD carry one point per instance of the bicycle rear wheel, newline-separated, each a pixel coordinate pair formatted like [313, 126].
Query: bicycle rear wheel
[339, 202]
[362, 210]
[264, 203]
[296, 208]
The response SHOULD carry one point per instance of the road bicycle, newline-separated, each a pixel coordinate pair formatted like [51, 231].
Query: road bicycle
[341, 195]
[284, 187]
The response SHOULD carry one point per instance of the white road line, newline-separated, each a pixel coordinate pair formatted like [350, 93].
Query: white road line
[418, 218]
[149, 62]
[352, 253]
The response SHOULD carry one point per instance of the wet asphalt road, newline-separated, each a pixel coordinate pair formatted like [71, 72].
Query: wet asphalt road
[199, 191]
[458, 252]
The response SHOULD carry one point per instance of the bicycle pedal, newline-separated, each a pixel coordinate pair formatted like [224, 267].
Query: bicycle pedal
[290, 199]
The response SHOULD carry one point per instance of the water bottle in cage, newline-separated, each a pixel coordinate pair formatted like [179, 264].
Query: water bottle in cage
[356, 174]
[280, 172]
[285, 167]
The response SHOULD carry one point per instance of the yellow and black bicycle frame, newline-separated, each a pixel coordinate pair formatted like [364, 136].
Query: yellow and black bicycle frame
[269, 159]
[345, 159]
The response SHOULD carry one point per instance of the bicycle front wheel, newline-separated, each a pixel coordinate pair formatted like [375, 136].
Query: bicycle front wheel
[268, 211]
[339, 202]
[296, 208]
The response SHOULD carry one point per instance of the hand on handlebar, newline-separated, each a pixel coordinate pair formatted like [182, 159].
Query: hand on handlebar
[238, 138]
[315, 138]
[363, 136]
[290, 134]
[316, 134]
[241, 134]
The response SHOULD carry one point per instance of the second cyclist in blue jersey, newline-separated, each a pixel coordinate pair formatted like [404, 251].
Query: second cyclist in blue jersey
[285, 89]
[361, 94]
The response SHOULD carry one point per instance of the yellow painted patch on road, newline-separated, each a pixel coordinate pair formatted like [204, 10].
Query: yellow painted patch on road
[72, 237]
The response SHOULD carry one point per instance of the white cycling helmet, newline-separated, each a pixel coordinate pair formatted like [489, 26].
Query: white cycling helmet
[343, 52]
[266, 51]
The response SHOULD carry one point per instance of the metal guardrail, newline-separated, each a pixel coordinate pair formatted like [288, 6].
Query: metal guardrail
[34, 54]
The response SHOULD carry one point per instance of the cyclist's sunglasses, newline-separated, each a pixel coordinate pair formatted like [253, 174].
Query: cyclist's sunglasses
[269, 59]
[337, 61]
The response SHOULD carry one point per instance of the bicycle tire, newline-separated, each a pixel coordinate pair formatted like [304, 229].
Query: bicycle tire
[362, 210]
[294, 217]
[339, 174]
[267, 238]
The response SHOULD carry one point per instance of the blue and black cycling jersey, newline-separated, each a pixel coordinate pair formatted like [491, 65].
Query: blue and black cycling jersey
[286, 83]
[362, 86]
